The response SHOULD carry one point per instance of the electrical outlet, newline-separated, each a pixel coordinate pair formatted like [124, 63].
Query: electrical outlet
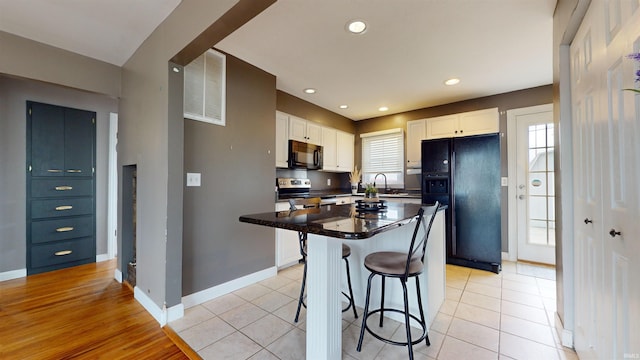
[504, 181]
[193, 179]
[328, 182]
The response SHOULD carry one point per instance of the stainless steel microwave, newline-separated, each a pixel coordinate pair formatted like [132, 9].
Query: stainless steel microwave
[304, 155]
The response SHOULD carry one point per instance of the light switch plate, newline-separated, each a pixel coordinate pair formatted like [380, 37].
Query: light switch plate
[193, 179]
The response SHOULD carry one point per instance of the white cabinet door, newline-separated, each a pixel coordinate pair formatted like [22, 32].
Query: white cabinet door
[412, 201]
[442, 126]
[478, 122]
[314, 133]
[416, 132]
[345, 145]
[464, 124]
[305, 131]
[329, 149]
[287, 244]
[297, 128]
[282, 139]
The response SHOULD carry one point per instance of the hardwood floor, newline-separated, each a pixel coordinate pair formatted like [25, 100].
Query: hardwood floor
[78, 313]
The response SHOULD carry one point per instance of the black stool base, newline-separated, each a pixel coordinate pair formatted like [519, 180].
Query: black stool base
[422, 337]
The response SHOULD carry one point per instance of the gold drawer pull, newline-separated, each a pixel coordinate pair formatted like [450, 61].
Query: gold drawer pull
[62, 253]
[64, 188]
[54, 170]
[64, 229]
[64, 207]
[74, 171]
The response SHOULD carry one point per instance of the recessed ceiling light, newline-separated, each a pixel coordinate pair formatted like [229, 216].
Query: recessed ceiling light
[344, 106]
[356, 26]
[383, 108]
[310, 90]
[452, 81]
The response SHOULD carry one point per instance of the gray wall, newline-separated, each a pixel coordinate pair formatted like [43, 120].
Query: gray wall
[14, 92]
[146, 120]
[237, 166]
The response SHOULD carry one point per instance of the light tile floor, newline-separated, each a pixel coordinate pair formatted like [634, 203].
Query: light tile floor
[485, 316]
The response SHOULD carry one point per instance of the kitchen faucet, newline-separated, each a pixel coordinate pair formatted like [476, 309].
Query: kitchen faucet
[385, 181]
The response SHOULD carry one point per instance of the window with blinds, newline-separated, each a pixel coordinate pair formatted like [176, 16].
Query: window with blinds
[383, 152]
[204, 88]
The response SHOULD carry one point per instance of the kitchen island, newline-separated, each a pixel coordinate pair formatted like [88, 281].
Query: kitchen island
[365, 232]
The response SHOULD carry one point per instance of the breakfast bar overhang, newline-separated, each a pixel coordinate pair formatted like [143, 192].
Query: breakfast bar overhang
[365, 232]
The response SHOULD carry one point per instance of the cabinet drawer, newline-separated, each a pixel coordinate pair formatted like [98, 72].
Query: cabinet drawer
[61, 187]
[62, 252]
[61, 207]
[61, 229]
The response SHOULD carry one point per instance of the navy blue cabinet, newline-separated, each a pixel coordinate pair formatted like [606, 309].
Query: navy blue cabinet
[60, 187]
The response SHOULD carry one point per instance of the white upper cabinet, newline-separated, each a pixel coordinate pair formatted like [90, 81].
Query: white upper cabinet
[346, 143]
[305, 131]
[337, 146]
[337, 150]
[463, 124]
[282, 139]
[329, 149]
[416, 132]
[442, 126]
[479, 122]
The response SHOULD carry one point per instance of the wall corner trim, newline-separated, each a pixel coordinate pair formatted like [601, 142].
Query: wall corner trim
[225, 288]
[566, 336]
[162, 315]
[13, 274]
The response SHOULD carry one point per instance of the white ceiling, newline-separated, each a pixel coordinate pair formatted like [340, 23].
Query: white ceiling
[401, 61]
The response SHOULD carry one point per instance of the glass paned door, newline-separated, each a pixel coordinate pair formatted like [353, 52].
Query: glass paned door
[536, 188]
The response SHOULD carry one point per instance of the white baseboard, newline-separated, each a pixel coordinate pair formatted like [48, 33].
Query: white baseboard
[102, 257]
[230, 286]
[162, 315]
[117, 274]
[13, 274]
[566, 336]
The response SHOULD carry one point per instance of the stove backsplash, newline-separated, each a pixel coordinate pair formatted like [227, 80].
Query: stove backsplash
[339, 181]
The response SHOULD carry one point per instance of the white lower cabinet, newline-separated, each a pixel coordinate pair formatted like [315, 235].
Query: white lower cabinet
[287, 247]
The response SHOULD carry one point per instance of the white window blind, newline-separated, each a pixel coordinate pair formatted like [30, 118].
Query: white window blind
[383, 152]
[205, 87]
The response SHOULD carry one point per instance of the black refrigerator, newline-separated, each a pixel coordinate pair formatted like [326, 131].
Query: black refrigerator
[464, 174]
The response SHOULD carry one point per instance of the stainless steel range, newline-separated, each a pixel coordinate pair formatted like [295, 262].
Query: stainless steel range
[291, 188]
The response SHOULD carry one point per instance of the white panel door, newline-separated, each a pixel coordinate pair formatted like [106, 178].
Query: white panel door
[620, 177]
[606, 127]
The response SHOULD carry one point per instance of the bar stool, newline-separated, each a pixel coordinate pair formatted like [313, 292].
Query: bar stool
[302, 239]
[401, 266]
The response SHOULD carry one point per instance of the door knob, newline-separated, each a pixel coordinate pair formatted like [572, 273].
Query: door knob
[613, 233]
[521, 186]
[588, 221]
[521, 197]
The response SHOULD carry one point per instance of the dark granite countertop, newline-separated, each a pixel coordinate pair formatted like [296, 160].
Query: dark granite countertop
[339, 221]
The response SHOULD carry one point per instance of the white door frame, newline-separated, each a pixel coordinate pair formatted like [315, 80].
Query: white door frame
[512, 135]
[112, 197]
